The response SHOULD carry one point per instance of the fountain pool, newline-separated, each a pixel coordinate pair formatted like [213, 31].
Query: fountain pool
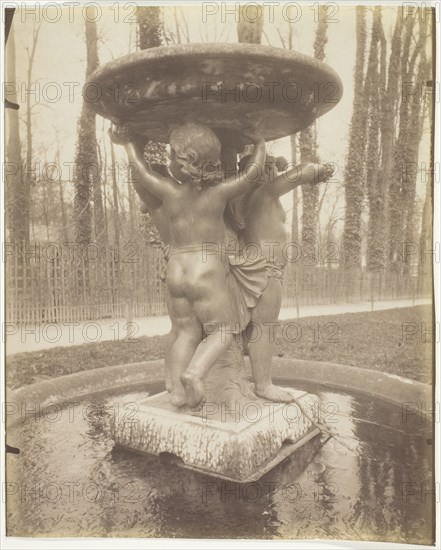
[73, 482]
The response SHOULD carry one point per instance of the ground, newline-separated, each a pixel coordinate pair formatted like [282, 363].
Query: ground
[391, 341]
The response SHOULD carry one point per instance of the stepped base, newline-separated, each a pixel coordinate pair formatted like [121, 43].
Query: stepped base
[238, 443]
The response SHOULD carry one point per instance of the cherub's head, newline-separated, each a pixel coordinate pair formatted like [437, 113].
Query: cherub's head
[195, 155]
[271, 167]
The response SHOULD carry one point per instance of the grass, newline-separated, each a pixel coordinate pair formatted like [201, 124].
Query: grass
[374, 340]
[389, 341]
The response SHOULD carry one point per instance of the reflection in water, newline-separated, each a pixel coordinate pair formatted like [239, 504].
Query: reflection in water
[68, 480]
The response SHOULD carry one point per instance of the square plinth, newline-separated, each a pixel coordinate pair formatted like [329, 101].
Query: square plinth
[239, 442]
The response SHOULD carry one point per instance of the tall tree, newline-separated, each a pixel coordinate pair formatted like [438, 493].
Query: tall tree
[150, 35]
[115, 209]
[293, 139]
[425, 241]
[64, 229]
[373, 91]
[378, 191]
[354, 170]
[295, 196]
[87, 177]
[398, 177]
[426, 235]
[29, 175]
[150, 27]
[309, 153]
[16, 198]
[250, 24]
[417, 114]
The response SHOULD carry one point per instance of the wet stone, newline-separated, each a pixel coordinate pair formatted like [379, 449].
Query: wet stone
[239, 443]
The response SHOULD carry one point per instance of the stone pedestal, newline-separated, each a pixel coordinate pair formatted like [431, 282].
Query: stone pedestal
[238, 441]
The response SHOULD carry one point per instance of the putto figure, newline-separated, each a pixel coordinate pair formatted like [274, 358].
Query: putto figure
[194, 197]
[260, 218]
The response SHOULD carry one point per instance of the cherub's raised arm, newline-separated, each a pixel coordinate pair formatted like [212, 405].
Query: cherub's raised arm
[252, 174]
[310, 173]
[142, 175]
[150, 200]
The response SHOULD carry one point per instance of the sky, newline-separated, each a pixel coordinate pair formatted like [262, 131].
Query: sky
[60, 63]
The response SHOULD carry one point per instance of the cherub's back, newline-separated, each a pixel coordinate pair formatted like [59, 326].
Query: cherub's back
[196, 217]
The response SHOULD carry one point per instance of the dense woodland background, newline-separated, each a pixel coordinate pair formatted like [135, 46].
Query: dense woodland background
[362, 236]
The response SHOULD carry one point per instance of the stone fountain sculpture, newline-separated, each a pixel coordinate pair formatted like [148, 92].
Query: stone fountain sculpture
[208, 101]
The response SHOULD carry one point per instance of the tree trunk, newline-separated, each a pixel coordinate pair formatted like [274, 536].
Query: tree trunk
[93, 62]
[87, 177]
[150, 27]
[374, 86]
[103, 183]
[309, 153]
[115, 209]
[426, 235]
[16, 199]
[29, 177]
[295, 191]
[377, 237]
[310, 194]
[415, 135]
[398, 179]
[250, 25]
[355, 165]
[64, 234]
[150, 35]
[295, 197]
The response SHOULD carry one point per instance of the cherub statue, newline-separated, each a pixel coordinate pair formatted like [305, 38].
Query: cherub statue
[154, 206]
[194, 198]
[261, 218]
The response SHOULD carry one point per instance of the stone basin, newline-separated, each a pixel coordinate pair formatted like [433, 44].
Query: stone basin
[225, 86]
[70, 478]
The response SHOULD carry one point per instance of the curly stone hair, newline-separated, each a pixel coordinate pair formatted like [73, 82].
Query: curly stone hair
[197, 150]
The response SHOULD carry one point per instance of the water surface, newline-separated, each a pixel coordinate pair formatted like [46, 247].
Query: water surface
[70, 481]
